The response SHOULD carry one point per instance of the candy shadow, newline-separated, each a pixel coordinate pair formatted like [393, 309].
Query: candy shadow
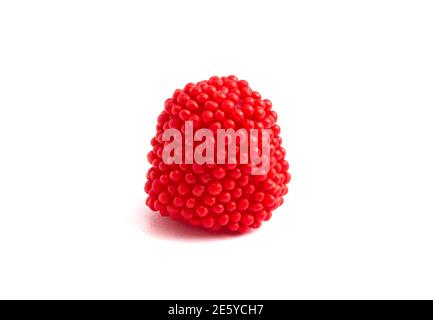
[165, 228]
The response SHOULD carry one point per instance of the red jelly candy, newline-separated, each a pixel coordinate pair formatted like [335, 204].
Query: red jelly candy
[196, 178]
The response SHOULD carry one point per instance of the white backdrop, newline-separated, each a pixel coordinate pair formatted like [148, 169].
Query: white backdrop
[81, 86]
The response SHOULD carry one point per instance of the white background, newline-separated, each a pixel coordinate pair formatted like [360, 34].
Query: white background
[82, 83]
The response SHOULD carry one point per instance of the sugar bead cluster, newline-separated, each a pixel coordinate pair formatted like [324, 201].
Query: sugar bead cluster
[215, 196]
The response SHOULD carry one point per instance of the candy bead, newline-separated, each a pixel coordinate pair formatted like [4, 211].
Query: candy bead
[219, 173]
[207, 116]
[208, 222]
[201, 211]
[215, 188]
[223, 219]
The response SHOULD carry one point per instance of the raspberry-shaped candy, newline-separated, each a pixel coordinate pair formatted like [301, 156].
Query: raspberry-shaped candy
[225, 191]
